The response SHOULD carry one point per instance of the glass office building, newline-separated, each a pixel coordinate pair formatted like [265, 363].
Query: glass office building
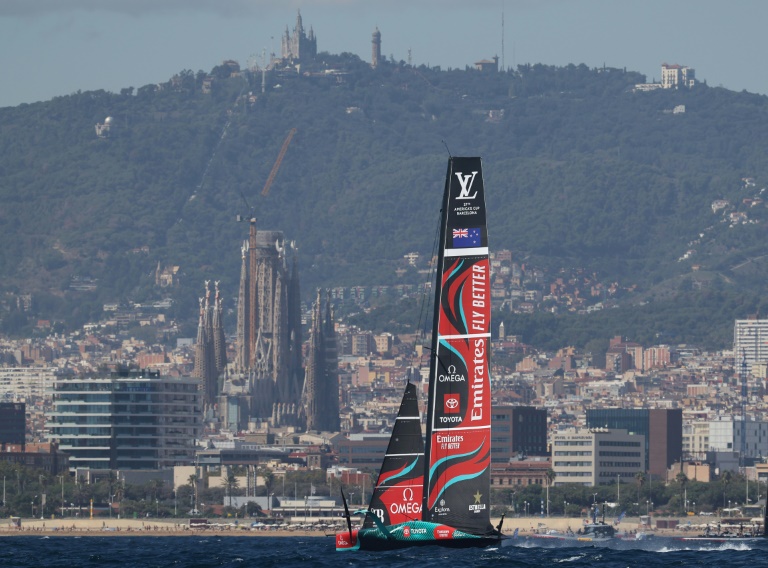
[126, 420]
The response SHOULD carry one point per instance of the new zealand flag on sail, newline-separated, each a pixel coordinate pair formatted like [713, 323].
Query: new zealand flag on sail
[466, 238]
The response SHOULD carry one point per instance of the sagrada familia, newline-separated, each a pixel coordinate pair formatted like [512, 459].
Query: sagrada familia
[267, 383]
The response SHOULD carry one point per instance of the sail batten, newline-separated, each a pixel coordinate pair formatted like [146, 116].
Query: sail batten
[464, 252]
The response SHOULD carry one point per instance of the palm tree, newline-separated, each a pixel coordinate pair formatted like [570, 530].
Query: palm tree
[269, 478]
[682, 479]
[640, 478]
[550, 474]
[155, 486]
[119, 490]
[725, 479]
[232, 483]
[193, 483]
[111, 482]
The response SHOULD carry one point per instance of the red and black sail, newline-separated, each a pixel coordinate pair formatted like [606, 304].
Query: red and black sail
[457, 478]
[398, 494]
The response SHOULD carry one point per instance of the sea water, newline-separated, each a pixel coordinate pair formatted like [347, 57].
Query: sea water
[296, 551]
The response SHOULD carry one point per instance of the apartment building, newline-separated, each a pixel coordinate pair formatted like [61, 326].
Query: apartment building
[126, 421]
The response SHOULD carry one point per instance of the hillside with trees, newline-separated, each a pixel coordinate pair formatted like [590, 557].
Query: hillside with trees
[581, 171]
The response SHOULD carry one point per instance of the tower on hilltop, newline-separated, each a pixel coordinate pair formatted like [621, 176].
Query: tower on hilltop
[376, 48]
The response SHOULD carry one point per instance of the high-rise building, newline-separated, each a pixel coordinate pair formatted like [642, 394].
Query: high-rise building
[13, 423]
[26, 382]
[126, 420]
[517, 431]
[623, 355]
[321, 385]
[662, 429]
[725, 435]
[750, 342]
[656, 357]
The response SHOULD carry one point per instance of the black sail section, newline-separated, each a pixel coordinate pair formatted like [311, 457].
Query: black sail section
[397, 496]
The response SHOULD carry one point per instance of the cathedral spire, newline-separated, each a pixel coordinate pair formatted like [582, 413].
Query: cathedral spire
[321, 387]
[242, 359]
[219, 339]
[205, 363]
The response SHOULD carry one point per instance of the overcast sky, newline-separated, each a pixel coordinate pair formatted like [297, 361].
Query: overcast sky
[56, 47]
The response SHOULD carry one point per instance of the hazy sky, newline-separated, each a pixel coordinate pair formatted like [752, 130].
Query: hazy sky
[56, 47]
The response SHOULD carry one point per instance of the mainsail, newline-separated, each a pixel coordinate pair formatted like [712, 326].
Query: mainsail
[457, 478]
[398, 492]
[438, 493]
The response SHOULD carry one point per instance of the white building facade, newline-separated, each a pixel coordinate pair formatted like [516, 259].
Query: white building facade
[676, 76]
[594, 456]
[25, 383]
[750, 342]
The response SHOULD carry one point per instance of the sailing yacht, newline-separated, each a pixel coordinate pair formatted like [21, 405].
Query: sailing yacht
[437, 492]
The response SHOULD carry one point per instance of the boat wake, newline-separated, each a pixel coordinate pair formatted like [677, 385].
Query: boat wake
[571, 558]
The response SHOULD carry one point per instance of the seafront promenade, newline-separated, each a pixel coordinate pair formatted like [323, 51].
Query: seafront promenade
[225, 527]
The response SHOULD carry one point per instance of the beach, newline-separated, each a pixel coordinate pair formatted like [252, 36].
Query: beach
[228, 527]
[144, 527]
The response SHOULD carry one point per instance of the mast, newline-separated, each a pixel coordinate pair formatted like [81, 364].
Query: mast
[433, 344]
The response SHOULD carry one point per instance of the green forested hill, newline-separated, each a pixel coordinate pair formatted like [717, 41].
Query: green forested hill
[580, 172]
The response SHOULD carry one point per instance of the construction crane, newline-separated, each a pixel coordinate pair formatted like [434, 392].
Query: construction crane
[251, 211]
[279, 160]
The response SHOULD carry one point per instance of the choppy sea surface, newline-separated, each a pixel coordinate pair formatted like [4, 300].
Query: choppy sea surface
[305, 552]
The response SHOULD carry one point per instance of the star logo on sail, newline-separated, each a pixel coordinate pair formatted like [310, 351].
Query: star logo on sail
[477, 506]
[466, 238]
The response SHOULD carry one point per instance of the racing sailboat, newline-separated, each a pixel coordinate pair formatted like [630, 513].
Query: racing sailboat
[437, 492]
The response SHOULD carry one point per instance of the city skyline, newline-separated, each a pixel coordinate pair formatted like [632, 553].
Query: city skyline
[49, 50]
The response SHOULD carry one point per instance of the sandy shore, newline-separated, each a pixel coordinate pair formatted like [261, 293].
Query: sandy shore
[137, 527]
[179, 527]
